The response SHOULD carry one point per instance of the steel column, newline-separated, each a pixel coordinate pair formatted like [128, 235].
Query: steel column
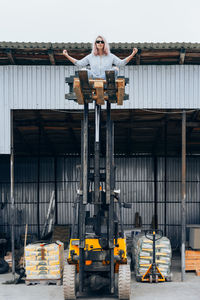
[165, 187]
[85, 154]
[183, 202]
[38, 199]
[97, 153]
[12, 195]
[108, 155]
[155, 219]
[55, 188]
[38, 183]
[84, 198]
[109, 192]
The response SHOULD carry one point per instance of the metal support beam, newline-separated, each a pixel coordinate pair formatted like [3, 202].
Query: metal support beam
[55, 189]
[84, 197]
[109, 192]
[38, 186]
[192, 124]
[85, 154]
[111, 212]
[108, 157]
[51, 57]
[183, 202]
[138, 57]
[12, 195]
[165, 188]
[155, 220]
[10, 57]
[182, 56]
[97, 153]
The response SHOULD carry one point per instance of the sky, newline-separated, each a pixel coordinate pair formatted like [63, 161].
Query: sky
[117, 20]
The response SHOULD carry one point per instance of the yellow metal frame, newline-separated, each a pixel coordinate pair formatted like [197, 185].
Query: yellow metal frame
[92, 244]
[148, 272]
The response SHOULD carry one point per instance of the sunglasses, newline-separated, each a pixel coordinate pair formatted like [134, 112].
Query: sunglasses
[98, 42]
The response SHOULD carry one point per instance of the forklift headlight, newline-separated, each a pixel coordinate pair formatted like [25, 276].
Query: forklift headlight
[75, 243]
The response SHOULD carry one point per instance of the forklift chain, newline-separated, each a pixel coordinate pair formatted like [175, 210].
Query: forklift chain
[124, 282]
[69, 282]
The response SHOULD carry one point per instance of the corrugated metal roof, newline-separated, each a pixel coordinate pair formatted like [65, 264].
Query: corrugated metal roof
[21, 53]
[121, 46]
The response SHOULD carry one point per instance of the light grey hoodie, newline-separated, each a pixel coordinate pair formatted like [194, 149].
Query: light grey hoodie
[99, 64]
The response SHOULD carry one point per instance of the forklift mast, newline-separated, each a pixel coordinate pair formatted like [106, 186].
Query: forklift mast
[101, 249]
[103, 201]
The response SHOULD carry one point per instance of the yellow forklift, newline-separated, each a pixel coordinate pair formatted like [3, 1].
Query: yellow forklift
[97, 257]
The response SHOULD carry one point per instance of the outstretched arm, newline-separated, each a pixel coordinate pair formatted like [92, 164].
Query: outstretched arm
[80, 63]
[122, 62]
[65, 53]
[135, 50]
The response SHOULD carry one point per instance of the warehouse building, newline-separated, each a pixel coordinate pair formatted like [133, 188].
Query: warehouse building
[41, 132]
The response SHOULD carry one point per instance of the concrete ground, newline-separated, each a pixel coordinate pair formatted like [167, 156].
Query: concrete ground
[177, 290]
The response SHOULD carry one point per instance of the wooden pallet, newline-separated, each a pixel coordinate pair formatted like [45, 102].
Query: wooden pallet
[43, 281]
[99, 90]
[192, 261]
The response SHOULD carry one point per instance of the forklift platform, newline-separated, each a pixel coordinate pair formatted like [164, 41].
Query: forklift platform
[86, 90]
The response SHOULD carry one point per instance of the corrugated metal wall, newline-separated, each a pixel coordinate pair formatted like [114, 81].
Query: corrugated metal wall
[43, 87]
[134, 177]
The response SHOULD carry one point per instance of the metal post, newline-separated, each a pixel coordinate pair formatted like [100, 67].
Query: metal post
[12, 194]
[97, 153]
[165, 187]
[183, 202]
[108, 157]
[85, 154]
[38, 199]
[109, 192]
[111, 212]
[155, 225]
[84, 198]
[55, 188]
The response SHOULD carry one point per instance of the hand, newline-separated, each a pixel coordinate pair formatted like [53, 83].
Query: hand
[65, 52]
[135, 50]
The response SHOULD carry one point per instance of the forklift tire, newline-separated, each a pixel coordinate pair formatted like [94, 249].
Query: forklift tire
[4, 266]
[69, 282]
[124, 282]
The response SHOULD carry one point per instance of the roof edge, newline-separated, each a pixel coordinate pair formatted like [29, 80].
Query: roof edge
[87, 46]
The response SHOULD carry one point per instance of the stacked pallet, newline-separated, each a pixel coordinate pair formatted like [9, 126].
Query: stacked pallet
[44, 262]
[143, 255]
[192, 261]
[87, 90]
